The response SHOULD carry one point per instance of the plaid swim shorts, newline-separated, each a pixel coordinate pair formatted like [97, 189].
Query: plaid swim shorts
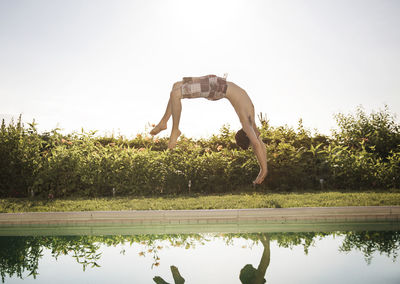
[210, 87]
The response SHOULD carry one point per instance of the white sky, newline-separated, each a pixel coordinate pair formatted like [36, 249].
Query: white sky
[110, 65]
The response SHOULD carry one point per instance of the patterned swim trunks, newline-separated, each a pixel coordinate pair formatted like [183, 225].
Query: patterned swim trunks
[210, 87]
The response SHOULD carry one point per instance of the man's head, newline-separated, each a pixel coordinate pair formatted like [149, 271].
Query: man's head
[248, 275]
[242, 140]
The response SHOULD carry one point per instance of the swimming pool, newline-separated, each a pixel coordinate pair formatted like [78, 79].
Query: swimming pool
[202, 253]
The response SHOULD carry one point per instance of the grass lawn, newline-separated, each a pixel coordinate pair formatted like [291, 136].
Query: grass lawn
[222, 201]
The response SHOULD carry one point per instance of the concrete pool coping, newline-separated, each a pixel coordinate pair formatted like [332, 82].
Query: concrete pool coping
[213, 216]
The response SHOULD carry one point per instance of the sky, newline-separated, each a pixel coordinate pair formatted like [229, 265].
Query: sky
[110, 65]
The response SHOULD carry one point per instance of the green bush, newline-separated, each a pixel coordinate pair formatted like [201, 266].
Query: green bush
[378, 132]
[19, 158]
[363, 153]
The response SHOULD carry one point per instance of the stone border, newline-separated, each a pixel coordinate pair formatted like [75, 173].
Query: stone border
[269, 215]
[216, 228]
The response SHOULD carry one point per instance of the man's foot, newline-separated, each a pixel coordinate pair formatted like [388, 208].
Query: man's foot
[177, 276]
[174, 137]
[159, 280]
[261, 176]
[159, 127]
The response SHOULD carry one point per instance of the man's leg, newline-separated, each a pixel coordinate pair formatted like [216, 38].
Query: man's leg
[178, 279]
[176, 109]
[162, 125]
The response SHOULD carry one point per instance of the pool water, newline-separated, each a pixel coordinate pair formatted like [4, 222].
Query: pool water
[349, 256]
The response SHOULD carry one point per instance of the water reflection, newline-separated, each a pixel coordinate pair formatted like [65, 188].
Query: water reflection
[370, 242]
[178, 279]
[20, 256]
[248, 274]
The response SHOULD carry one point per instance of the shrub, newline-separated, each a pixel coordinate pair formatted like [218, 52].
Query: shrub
[19, 158]
[83, 164]
[379, 131]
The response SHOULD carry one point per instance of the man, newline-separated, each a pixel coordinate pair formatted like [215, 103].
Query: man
[212, 87]
[250, 275]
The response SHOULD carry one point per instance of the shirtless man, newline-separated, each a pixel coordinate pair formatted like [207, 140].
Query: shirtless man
[214, 88]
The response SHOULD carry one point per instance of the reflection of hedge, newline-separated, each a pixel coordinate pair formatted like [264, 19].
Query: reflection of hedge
[20, 255]
[368, 243]
[363, 153]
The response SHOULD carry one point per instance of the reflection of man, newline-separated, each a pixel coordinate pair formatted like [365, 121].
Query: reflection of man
[250, 275]
[178, 279]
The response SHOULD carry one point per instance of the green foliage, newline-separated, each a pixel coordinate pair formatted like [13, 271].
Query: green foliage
[368, 243]
[19, 256]
[20, 149]
[363, 153]
[378, 132]
[204, 201]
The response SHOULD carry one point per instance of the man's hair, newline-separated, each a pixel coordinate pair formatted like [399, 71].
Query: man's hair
[242, 140]
[248, 274]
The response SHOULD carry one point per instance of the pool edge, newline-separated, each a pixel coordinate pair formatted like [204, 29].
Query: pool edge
[273, 215]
